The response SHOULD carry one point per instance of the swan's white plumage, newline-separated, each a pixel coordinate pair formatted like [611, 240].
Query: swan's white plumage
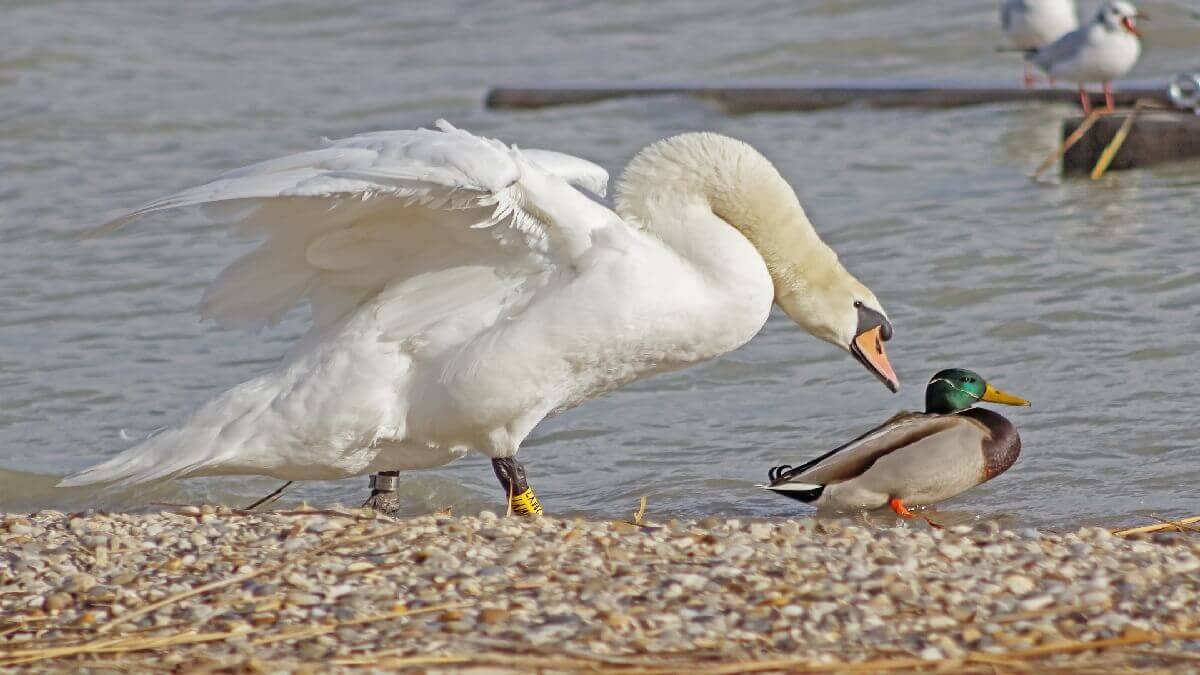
[462, 290]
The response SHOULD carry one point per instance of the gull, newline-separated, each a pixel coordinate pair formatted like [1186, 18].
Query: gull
[1102, 50]
[1033, 24]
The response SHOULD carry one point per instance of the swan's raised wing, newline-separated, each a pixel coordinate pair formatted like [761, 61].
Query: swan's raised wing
[371, 212]
[852, 459]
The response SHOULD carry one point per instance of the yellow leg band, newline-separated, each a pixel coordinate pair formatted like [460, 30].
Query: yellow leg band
[525, 504]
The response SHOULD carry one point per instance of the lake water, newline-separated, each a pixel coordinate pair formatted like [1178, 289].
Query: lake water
[1081, 296]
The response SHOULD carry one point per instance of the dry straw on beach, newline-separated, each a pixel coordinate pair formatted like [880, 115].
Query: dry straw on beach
[274, 591]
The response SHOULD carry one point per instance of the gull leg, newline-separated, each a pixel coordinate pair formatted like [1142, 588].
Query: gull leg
[1030, 79]
[521, 499]
[1085, 101]
[384, 497]
[1108, 97]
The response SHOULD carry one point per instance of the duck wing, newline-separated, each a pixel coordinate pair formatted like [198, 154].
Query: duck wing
[854, 458]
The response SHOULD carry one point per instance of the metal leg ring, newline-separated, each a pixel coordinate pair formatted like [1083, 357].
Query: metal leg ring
[385, 481]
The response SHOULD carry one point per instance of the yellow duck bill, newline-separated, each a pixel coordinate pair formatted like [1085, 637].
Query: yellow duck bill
[994, 395]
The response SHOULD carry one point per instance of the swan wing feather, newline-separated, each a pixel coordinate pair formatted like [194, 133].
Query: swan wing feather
[366, 213]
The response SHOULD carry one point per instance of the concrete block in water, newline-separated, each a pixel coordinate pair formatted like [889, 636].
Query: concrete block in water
[1154, 138]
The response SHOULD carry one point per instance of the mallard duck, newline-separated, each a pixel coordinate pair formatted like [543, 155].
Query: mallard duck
[913, 458]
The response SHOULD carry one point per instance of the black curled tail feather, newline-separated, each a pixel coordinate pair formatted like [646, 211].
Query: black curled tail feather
[775, 472]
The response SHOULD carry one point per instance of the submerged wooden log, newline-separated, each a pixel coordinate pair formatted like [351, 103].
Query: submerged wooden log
[1154, 137]
[745, 97]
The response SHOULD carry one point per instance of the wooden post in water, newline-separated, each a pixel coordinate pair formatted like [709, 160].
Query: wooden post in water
[1155, 137]
[800, 95]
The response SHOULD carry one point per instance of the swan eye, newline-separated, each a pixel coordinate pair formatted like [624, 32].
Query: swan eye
[858, 304]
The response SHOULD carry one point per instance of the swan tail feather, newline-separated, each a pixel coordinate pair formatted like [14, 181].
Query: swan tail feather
[158, 458]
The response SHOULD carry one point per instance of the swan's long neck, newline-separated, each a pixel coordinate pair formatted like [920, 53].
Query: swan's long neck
[725, 177]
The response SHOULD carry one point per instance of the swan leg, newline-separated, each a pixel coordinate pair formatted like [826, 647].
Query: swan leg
[521, 499]
[384, 497]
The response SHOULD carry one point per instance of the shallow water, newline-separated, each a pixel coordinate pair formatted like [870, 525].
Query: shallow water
[1079, 296]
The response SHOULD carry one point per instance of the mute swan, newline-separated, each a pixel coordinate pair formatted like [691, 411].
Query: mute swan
[462, 290]
[914, 458]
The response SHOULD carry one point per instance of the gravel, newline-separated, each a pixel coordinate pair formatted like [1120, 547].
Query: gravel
[333, 590]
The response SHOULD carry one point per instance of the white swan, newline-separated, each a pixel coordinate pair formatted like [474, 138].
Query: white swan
[462, 290]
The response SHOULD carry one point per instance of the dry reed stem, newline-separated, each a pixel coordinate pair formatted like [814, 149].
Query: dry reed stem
[271, 569]
[654, 666]
[640, 513]
[1183, 527]
[1166, 653]
[1066, 144]
[1118, 139]
[305, 512]
[657, 666]
[322, 629]
[132, 644]
[112, 646]
[1159, 527]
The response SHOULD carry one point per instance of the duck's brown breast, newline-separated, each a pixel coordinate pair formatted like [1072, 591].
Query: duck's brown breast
[1001, 445]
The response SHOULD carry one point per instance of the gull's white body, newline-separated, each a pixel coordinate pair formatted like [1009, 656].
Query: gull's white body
[462, 290]
[1032, 24]
[1093, 53]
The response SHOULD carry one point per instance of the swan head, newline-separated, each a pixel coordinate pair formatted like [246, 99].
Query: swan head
[742, 188]
[834, 306]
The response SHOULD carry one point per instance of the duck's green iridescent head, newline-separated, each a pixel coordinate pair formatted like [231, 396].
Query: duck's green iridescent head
[956, 389]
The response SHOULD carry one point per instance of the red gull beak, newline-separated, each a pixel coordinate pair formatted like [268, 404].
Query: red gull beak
[1127, 22]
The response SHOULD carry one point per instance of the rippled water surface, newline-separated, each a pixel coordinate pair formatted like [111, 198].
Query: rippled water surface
[1080, 296]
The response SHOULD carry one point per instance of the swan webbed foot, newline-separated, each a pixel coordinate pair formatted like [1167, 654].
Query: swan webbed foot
[521, 499]
[384, 496]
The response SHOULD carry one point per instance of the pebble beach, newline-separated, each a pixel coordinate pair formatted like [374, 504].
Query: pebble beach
[213, 589]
